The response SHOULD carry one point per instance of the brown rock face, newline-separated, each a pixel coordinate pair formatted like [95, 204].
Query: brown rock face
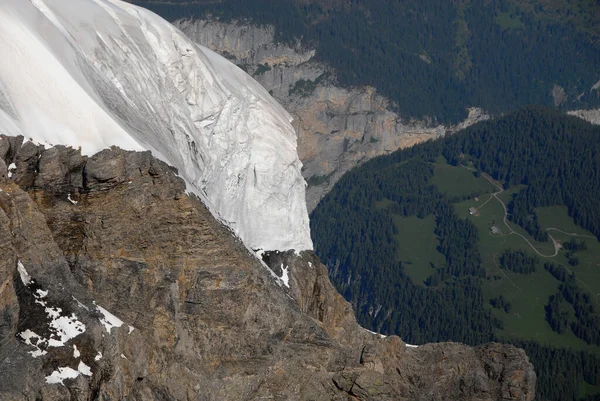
[116, 282]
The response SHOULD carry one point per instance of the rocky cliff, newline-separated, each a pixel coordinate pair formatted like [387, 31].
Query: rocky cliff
[337, 128]
[115, 285]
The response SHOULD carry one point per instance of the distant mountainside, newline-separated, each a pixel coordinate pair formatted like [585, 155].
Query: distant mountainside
[490, 233]
[435, 58]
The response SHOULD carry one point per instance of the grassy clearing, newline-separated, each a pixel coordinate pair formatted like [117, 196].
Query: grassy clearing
[508, 20]
[588, 269]
[558, 217]
[458, 181]
[417, 246]
[586, 389]
[529, 293]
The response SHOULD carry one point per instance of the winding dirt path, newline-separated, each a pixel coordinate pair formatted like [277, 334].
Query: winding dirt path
[556, 244]
[505, 220]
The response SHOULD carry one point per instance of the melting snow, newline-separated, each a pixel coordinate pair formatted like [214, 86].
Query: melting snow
[131, 328]
[65, 327]
[285, 276]
[11, 169]
[76, 353]
[84, 369]
[98, 356]
[71, 200]
[25, 277]
[109, 321]
[58, 376]
[61, 374]
[28, 336]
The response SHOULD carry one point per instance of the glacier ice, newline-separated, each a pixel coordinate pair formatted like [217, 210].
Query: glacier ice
[96, 73]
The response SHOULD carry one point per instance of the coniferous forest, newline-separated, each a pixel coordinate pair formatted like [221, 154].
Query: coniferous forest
[436, 58]
[545, 159]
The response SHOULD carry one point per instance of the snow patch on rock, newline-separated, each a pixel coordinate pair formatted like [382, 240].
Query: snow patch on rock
[61, 374]
[285, 278]
[11, 169]
[32, 339]
[109, 321]
[62, 327]
[84, 369]
[25, 277]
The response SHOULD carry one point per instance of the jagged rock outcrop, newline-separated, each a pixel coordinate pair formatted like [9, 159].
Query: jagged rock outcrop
[337, 128]
[118, 284]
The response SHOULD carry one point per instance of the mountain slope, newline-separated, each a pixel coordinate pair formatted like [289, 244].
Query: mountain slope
[95, 73]
[114, 284]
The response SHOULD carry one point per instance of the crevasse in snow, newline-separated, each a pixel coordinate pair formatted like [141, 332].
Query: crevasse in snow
[96, 73]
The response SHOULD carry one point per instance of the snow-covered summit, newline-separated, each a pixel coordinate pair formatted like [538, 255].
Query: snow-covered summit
[96, 73]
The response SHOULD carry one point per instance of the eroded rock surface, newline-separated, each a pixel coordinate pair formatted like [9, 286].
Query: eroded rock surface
[116, 283]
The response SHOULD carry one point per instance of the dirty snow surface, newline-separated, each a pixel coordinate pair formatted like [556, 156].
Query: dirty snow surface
[96, 73]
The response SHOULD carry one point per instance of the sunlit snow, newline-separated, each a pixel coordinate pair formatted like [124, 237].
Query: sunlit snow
[25, 277]
[108, 320]
[96, 73]
[32, 339]
[60, 375]
[285, 278]
[11, 169]
[84, 369]
[63, 327]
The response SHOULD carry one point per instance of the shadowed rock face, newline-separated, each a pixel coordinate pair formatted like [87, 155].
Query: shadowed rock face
[110, 274]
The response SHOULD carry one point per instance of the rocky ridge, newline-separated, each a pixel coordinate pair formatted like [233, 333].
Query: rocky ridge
[337, 128]
[115, 284]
